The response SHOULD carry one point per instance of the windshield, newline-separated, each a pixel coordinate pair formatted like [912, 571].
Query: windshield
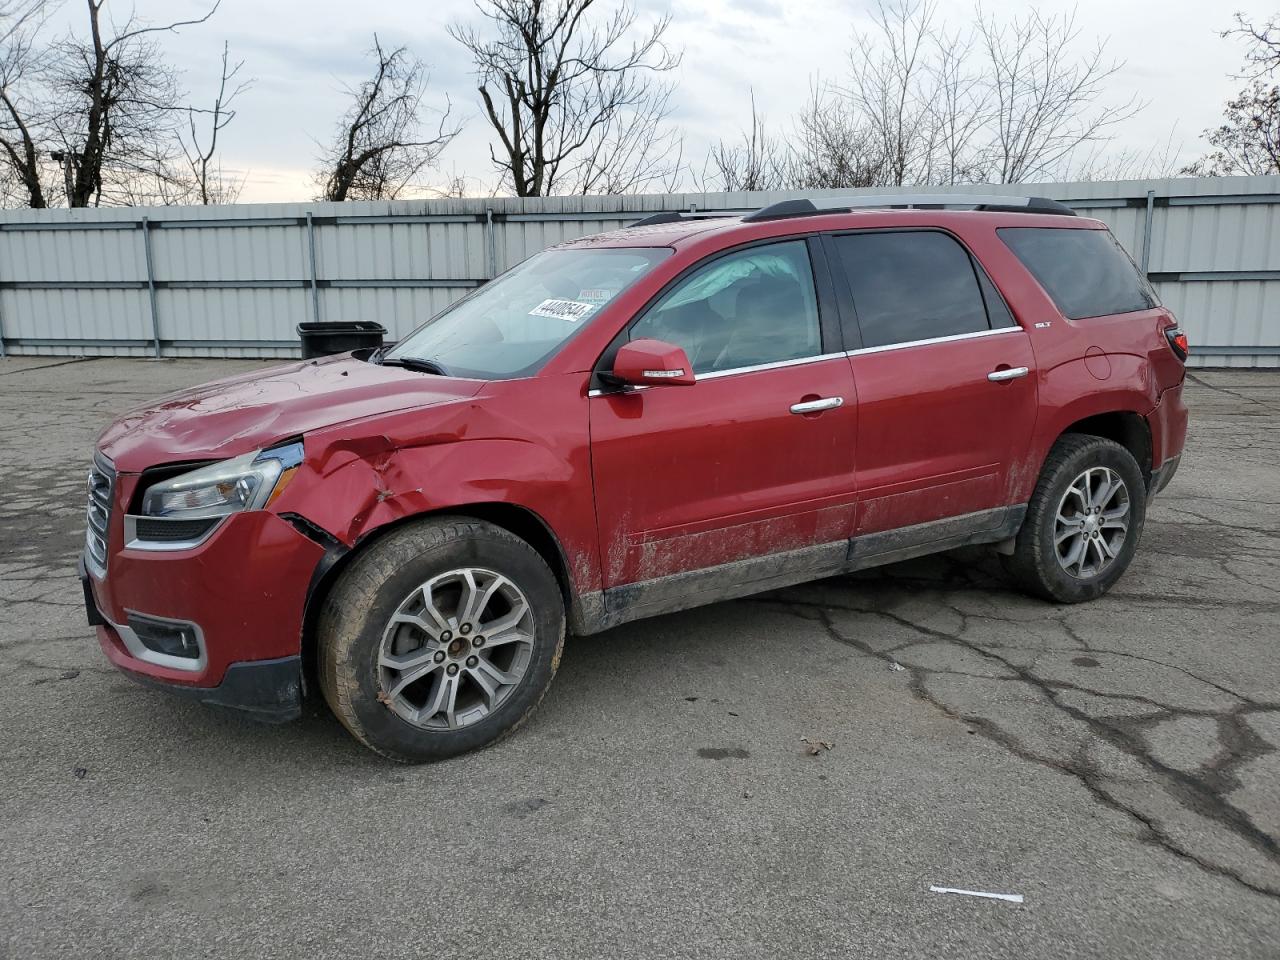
[511, 325]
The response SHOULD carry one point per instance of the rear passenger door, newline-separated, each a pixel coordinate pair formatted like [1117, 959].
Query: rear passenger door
[945, 379]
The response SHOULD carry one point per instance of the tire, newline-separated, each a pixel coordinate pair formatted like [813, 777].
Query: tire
[387, 683]
[1038, 562]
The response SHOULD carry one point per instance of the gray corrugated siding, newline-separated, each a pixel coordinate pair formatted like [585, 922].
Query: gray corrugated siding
[235, 281]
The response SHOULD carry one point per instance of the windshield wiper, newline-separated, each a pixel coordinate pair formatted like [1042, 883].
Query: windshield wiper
[416, 363]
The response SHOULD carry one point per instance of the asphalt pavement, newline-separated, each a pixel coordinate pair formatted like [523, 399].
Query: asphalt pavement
[1113, 763]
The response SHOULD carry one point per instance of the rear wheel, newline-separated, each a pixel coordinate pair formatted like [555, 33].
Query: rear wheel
[1083, 522]
[441, 638]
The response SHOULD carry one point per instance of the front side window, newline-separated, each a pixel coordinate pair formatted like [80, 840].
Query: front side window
[748, 308]
[1085, 272]
[512, 325]
[909, 286]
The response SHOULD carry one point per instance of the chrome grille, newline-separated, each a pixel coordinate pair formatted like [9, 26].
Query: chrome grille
[102, 481]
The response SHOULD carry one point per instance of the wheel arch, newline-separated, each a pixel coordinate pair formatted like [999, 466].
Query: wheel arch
[1073, 402]
[521, 521]
[1128, 428]
[1116, 408]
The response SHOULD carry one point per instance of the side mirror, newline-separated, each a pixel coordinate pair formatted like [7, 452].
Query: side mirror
[653, 363]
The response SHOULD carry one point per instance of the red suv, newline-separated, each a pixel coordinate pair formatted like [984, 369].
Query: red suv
[629, 424]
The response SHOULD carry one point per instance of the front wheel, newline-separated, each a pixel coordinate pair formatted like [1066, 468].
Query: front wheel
[441, 638]
[1083, 522]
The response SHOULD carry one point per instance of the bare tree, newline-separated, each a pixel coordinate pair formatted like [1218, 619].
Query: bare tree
[925, 104]
[21, 142]
[575, 105]
[210, 184]
[634, 152]
[101, 107]
[890, 87]
[758, 162]
[959, 109]
[1263, 55]
[116, 108]
[15, 15]
[1047, 105]
[380, 149]
[832, 148]
[1159, 161]
[1248, 140]
[456, 184]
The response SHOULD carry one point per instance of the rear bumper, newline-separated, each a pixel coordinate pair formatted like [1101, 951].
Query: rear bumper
[1168, 423]
[1162, 474]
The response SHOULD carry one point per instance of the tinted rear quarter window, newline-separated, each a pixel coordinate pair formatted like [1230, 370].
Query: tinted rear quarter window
[915, 285]
[1085, 272]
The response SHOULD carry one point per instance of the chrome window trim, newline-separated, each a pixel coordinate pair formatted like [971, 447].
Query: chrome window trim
[131, 541]
[139, 651]
[799, 361]
[775, 365]
[932, 340]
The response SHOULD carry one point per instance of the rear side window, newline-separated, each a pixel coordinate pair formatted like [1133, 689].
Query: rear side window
[911, 286]
[1085, 272]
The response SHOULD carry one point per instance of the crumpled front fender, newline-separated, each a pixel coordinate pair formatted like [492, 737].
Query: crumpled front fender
[352, 486]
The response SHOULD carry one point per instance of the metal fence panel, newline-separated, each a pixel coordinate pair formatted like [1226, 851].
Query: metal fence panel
[73, 318]
[401, 251]
[68, 256]
[229, 253]
[399, 309]
[235, 281]
[237, 315]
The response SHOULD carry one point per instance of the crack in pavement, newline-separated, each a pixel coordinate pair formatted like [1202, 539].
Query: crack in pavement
[48, 366]
[1201, 794]
[1200, 382]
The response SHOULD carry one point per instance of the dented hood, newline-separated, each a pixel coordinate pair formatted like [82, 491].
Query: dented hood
[233, 416]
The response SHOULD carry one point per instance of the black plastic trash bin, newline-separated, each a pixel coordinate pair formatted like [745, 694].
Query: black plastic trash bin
[323, 339]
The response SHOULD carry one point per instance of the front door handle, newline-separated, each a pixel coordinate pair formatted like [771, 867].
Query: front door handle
[1011, 373]
[817, 406]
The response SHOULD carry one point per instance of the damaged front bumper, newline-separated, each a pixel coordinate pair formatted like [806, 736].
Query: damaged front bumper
[266, 690]
[219, 622]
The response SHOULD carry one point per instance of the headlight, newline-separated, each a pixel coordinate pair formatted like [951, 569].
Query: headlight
[249, 482]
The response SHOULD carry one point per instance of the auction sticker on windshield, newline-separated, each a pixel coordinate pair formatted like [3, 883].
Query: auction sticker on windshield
[570, 310]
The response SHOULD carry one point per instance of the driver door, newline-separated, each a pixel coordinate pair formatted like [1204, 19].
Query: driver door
[757, 457]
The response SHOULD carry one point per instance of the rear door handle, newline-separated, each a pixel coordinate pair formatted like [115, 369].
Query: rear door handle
[1013, 373]
[817, 406]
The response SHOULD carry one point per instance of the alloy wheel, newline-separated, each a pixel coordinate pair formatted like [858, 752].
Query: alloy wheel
[1092, 523]
[455, 649]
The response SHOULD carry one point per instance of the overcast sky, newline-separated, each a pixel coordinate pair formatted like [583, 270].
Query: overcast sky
[301, 52]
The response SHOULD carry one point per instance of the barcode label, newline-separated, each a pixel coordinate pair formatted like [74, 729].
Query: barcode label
[570, 310]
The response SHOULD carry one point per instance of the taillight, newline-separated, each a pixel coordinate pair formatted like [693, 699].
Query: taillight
[1177, 341]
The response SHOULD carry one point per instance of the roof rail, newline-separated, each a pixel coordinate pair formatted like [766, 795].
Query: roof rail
[676, 217]
[954, 201]
[657, 218]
